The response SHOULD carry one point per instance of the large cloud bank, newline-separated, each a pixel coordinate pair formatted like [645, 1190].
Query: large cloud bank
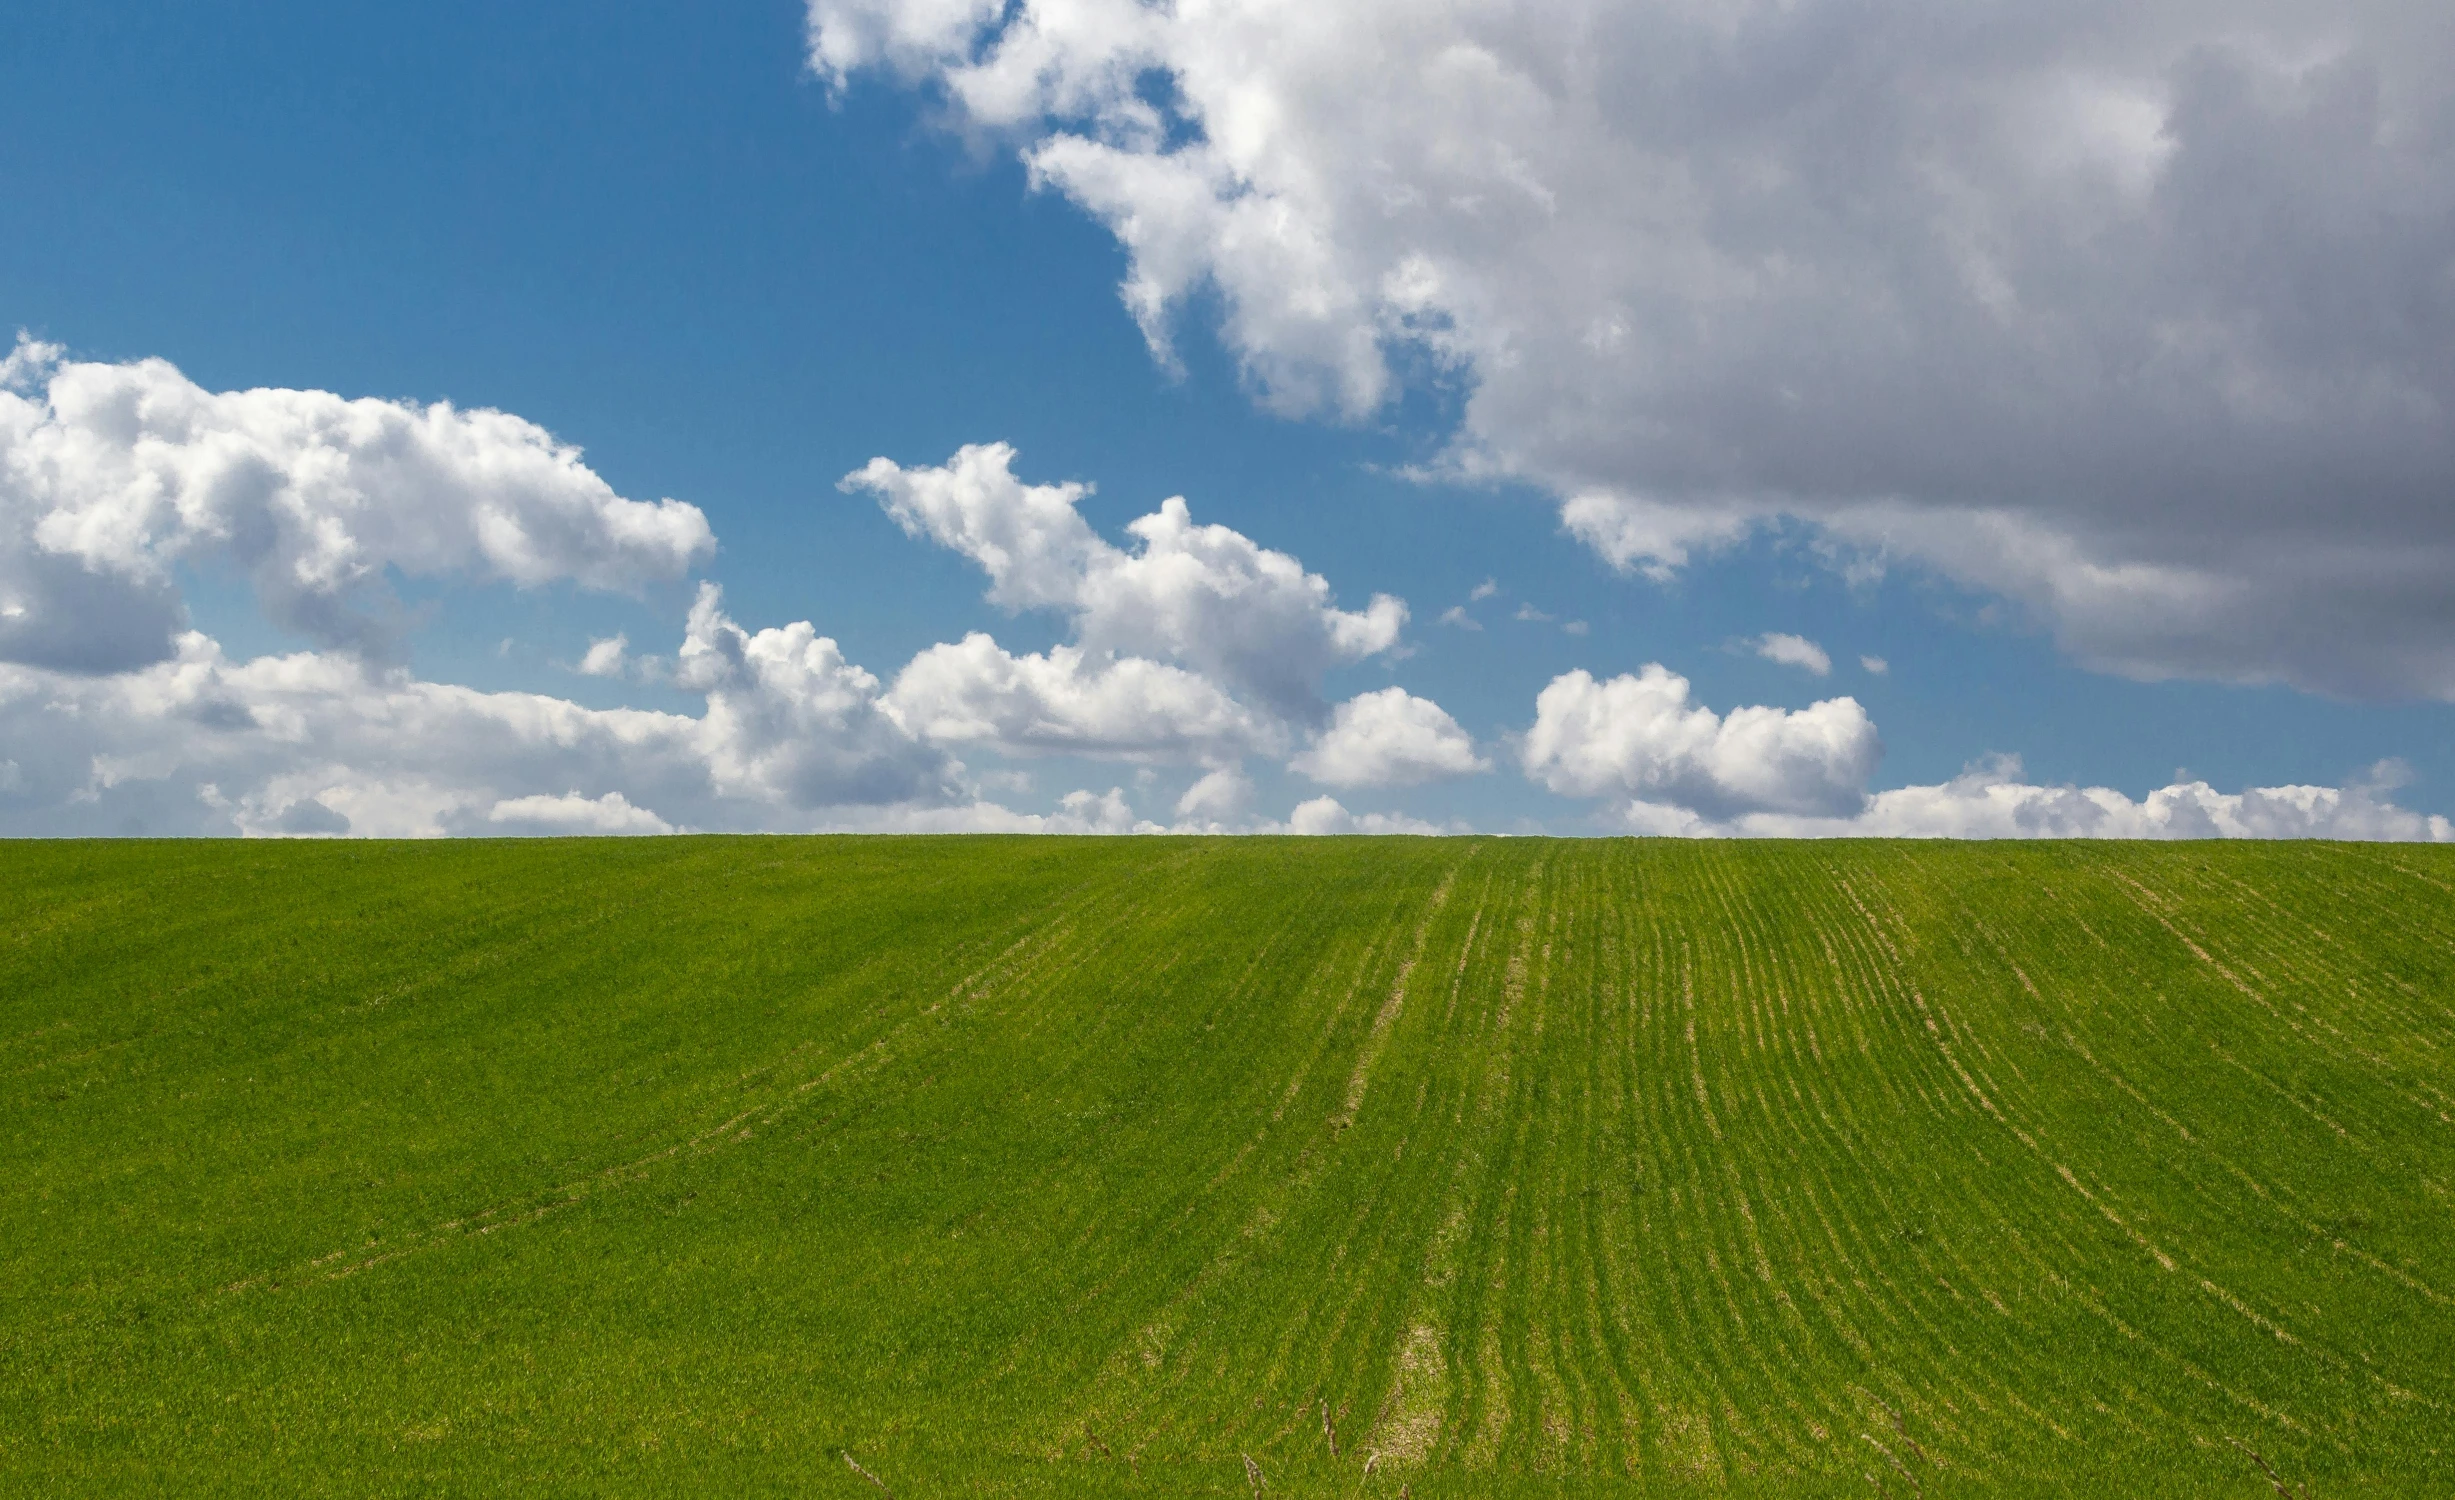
[1193, 646]
[2141, 314]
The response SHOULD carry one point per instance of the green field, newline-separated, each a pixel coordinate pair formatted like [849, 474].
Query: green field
[1092, 1167]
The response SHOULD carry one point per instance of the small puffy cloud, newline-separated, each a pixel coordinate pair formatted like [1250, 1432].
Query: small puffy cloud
[1874, 666]
[113, 474]
[1456, 615]
[1389, 738]
[1069, 702]
[1323, 816]
[1205, 596]
[1649, 537]
[790, 721]
[1482, 591]
[1086, 812]
[1639, 739]
[1794, 651]
[1217, 800]
[308, 817]
[607, 657]
[573, 813]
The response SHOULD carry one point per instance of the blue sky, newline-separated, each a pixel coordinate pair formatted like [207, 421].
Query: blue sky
[662, 235]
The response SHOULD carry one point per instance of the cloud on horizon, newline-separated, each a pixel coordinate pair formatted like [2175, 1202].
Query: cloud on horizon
[1195, 646]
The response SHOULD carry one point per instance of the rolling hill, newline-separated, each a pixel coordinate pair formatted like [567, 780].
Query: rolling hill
[1171, 1167]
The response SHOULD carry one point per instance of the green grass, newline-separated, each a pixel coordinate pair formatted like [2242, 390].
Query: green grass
[1056, 1167]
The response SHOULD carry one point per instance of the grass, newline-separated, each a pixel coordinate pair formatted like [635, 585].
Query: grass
[1147, 1167]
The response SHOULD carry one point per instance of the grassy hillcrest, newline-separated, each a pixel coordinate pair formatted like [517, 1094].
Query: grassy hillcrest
[1097, 1167]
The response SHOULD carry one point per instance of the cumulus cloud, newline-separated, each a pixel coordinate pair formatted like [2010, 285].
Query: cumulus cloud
[2136, 313]
[112, 474]
[792, 737]
[1209, 597]
[117, 718]
[1874, 666]
[607, 657]
[1389, 738]
[573, 813]
[1794, 651]
[1990, 800]
[791, 723]
[1639, 740]
[1086, 812]
[1216, 801]
[1660, 765]
[1067, 702]
[1324, 816]
[1196, 645]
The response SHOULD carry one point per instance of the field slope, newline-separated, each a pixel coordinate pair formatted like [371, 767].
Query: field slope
[1053, 1167]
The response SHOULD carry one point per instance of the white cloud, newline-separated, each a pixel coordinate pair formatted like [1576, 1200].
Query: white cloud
[1206, 596]
[1794, 651]
[790, 722]
[170, 736]
[1067, 702]
[1482, 591]
[1084, 812]
[1639, 739]
[1660, 766]
[793, 737]
[2135, 313]
[1323, 816]
[1875, 666]
[1650, 537]
[1991, 801]
[1217, 801]
[111, 474]
[1389, 738]
[607, 657]
[1456, 615]
[573, 813]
